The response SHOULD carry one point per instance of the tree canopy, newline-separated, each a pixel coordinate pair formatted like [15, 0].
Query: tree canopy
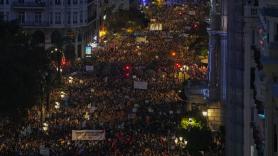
[192, 129]
[22, 69]
[124, 19]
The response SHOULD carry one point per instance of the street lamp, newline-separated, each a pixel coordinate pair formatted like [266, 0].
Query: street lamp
[62, 94]
[181, 143]
[173, 53]
[70, 80]
[45, 126]
[205, 113]
[57, 105]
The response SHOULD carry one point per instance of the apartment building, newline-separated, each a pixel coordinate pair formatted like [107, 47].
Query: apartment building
[73, 21]
[266, 77]
[243, 73]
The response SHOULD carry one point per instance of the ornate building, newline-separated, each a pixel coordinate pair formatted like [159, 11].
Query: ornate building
[73, 21]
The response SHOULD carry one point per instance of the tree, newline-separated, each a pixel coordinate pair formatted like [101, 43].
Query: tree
[69, 52]
[124, 19]
[22, 71]
[195, 127]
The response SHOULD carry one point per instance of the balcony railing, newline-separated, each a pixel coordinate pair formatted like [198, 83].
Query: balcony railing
[250, 11]
[34, 24]
[271, 12]
[29, 5]
[275, 89]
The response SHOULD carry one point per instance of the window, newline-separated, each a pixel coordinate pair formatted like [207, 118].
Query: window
[275, 138]
[50, 17]
[21, 17]
[1, 1]
[253, 37]
[57, 17]
[38, 18]
[276, 34]
[74, 2]
[7, 1]
[58, 2]
[1, 16]
[7, 16]
[68, 18]
[74, 17]
[81, 17]
[20, 1]
[254, 12]
[81, 2]
[68, 2]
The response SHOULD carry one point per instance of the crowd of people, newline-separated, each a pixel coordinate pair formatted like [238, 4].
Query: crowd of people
[137, 122]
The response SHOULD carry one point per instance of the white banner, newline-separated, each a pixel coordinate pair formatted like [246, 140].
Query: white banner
[89, 68]
[155, 27]
[141, 39]
[192, 13]
[88, 135]
[131, 116]
[44, 151]
[140, 85]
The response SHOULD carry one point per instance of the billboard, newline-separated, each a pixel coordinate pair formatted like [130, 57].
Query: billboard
[88, 51]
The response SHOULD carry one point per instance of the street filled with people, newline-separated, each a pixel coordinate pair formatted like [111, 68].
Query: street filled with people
[132, 92]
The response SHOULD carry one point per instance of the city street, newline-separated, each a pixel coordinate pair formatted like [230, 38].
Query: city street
[130, 88]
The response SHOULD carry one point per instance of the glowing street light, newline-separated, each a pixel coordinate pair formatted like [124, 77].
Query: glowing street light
[173, 53]
[102, 33]
[45, 126]
[62, 94]
[57, 105]
[180, 138]
[205, 113]
[176, 141]
[70, 79]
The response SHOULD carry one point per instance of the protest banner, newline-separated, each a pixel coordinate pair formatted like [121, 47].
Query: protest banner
[140, 85]
[88, 134]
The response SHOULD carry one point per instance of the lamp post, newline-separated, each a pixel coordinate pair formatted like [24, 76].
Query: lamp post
[181, 143]
[43, 88]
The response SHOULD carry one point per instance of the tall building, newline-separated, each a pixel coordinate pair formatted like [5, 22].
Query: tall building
[266, 77]
[243, 73]
[73, 21]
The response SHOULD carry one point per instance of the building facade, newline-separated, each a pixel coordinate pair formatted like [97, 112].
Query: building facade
[243, 73]
[266, 78]
[73, 21]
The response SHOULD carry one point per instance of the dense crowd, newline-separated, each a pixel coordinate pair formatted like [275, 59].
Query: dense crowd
[136, 122]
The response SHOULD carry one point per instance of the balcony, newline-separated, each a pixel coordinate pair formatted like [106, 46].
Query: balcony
[29, 5]
[273, 46]
[271, 59]
[35, 24]
[275, 90]
[250, 11]
[268, 60]
[271, 12]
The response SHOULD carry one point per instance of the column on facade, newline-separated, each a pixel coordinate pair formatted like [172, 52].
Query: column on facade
[214, 67]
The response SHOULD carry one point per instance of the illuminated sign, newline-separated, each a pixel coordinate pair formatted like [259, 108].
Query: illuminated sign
[88, 51]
